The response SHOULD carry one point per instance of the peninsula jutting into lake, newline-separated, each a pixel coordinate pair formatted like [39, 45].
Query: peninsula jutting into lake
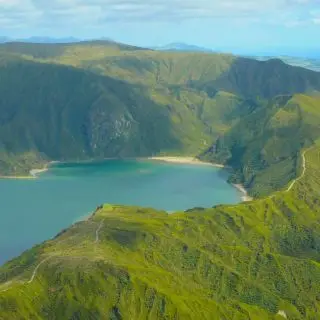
[74, 189]
[186, 182]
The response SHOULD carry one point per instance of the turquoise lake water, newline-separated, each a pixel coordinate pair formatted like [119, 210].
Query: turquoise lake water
[32, 211]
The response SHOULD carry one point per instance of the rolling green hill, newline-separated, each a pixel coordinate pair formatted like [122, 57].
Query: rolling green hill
[265, 155]
[65, 113]
[258, 260]
[249, 261]
[113, 100]
[308, 63]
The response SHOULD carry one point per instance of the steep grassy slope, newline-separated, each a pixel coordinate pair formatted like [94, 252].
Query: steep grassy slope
[69, 112]
[52, 50]
[231, 262]
[126, 62]
[95, 100]
[308, 63]
[65, 113]
[105, 99]
[58, 112]
[242, 76]
[266, 79]
[265, 155]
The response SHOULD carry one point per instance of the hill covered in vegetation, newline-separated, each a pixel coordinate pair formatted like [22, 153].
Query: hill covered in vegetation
[264, 147]
[100, 99]
[258, 260]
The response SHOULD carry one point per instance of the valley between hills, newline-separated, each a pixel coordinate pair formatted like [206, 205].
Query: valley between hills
[93, 100]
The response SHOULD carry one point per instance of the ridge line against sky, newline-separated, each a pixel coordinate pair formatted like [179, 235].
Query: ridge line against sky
[210, 23]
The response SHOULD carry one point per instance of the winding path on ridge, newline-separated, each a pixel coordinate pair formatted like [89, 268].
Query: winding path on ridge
[98, 230]
[292, 184]
[36, 269]
[101, 223]
[34, 273]
[303, 171]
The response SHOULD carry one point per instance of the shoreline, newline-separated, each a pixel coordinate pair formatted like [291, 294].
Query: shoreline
[242, 189]
[16, 177]
[192, 160]
[33, 173]
[185, 160]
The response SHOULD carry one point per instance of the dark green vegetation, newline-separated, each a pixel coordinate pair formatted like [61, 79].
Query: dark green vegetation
[242, 262]
[102, 99]
[231, 262]
[264, 147]
[308, 63]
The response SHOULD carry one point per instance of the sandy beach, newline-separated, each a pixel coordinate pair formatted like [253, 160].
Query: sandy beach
[33, 173]
[241, 188]
[171, 159]
[192, 160]
[17, 177]
[185, 160]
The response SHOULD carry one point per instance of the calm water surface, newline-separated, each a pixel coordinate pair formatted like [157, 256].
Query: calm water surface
[35, 210]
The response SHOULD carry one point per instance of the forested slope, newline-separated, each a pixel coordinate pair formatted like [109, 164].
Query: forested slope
[103, 99]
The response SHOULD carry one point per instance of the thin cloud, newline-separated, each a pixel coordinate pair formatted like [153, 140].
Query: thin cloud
[99, 12]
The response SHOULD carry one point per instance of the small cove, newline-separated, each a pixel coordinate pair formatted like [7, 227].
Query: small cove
[35, 210]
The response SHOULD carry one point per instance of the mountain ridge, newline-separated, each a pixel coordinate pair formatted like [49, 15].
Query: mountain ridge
[197, 98]
[95, 251]
[253, 261]
[47, 40]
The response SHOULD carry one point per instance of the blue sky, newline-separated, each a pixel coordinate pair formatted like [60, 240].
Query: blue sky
[211, 23]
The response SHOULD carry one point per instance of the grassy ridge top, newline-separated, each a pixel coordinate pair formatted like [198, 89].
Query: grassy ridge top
[109, 100]
[259, 260]
[264, 146]
[231, 262]
[223, 71]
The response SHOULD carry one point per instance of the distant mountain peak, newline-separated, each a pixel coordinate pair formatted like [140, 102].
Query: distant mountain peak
[180, 46]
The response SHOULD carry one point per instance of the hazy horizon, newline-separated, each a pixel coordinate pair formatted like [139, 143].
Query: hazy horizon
[263, 51]
[278, 26]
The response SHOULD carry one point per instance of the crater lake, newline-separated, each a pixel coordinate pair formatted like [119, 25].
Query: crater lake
[37, 209]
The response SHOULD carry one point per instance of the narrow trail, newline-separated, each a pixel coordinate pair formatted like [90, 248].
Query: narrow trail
[4, 290]
[98, 230]
[304, 167]
[37, 268]
[292, 184]
[34, 273]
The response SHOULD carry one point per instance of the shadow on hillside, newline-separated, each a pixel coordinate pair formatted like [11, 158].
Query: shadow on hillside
[266, 79]
[68, 113]
[252, 79]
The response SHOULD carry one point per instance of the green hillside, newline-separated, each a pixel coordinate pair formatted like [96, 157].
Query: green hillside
[253, 261]
[308, 63]
[112, 100]
[265, 155]
[64, 113]
[249, 261]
